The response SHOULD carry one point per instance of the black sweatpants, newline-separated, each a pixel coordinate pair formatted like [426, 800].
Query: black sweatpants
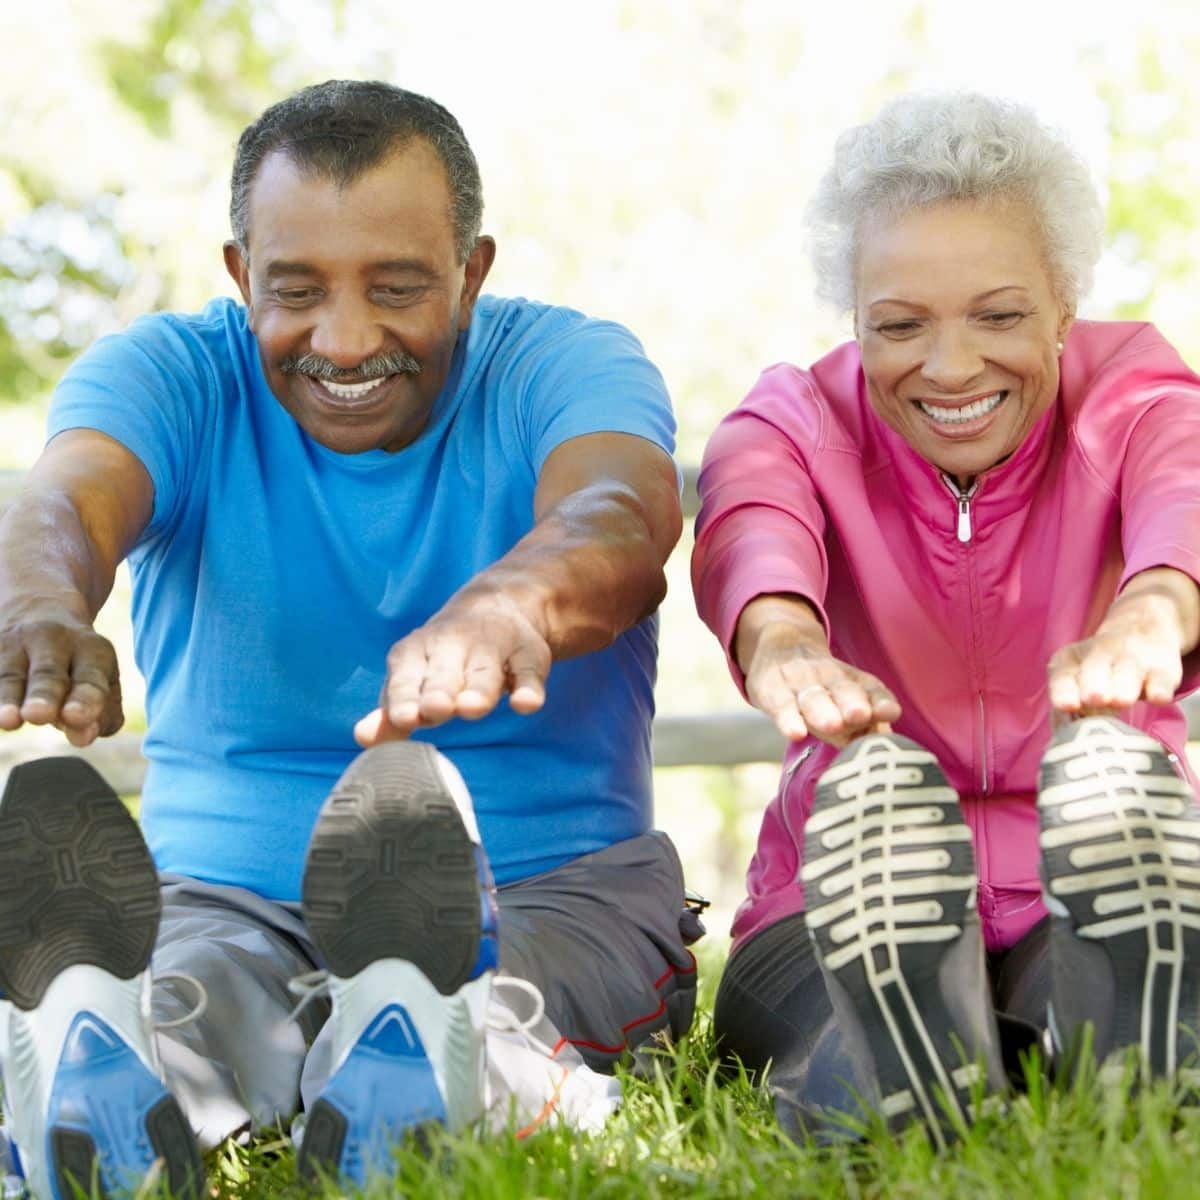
[772, 1007]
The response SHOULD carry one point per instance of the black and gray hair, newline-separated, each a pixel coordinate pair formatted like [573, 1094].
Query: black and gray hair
[929, 148]
[342, 128]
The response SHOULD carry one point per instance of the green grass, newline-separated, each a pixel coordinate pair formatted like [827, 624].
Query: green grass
[681, 1133]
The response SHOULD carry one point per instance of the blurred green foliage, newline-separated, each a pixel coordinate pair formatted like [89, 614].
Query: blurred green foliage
[1154, 180]
[58, 265]
[209, 49]
[74, 263]
[66, 261]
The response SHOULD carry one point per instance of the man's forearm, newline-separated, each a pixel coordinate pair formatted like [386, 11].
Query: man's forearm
[48, 565]
[587, 571]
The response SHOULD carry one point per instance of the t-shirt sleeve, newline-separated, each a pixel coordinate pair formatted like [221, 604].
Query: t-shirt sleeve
[148, 388]
[592, 377]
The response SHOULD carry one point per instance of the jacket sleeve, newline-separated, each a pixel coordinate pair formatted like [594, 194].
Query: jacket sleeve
[760, 529]
[1160, 489]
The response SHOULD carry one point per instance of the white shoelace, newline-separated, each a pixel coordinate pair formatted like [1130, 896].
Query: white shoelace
[309, 987]
[510, 1022]
[313, 984]
[196, 1011]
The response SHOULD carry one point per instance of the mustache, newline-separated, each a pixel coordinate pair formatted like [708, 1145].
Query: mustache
[377, 366]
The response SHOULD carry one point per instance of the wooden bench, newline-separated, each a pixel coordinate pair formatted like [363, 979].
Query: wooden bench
[718, 739]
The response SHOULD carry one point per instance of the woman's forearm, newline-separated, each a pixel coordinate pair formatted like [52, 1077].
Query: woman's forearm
[1170, 596]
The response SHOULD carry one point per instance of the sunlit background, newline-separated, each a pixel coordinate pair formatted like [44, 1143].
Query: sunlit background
[643, 161]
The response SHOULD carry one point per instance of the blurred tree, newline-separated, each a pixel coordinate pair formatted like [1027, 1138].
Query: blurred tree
[66, 262]
[1153, 179]
[61, 267]
[212, 50]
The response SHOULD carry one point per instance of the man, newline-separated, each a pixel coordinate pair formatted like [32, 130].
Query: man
[366, 506]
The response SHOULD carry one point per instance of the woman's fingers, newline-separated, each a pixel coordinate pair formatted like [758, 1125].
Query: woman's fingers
[827, 698]
[1106, 674]
[771, 692]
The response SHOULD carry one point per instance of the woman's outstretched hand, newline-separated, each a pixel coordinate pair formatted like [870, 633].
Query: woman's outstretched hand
[781, 646]
[1136, 654]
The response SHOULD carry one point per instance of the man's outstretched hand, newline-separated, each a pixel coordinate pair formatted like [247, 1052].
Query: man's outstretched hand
[459, 664]
[59, 671]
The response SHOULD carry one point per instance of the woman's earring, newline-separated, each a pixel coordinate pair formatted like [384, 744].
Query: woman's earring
[1060, 347]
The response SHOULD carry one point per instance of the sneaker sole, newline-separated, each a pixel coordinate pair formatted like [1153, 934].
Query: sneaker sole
[889, 875]
[77, 885]
[391, 870]
[391, 874]
[78, 888]
[1120, 840]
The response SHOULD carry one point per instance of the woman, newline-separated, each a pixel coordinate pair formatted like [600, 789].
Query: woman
[977, 522]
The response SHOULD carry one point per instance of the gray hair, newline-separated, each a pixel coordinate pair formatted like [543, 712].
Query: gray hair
[927, 148]
[341, 129]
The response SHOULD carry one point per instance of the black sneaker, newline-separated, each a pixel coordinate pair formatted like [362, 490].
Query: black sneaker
[1120, 838]
[79, 909]
[399, 899]
[890, 894]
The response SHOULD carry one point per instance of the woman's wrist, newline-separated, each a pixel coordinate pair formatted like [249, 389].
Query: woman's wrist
[788, 618]
[1165, 597]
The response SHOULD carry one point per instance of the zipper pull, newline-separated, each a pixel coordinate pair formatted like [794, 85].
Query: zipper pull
[963, 500]
[964, 518]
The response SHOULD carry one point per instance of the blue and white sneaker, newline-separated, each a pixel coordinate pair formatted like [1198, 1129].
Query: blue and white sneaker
[399, 900]
[84, 1100]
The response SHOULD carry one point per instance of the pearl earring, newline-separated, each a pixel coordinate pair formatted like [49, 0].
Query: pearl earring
[1060, 347]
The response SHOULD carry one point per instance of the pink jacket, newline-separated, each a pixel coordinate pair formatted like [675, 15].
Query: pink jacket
[957, 608]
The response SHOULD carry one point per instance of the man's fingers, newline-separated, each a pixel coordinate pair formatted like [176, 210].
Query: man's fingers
[453, 668]
[528, 666]
[14, 669]
[375, 728]
[48, 682]
[93, 679]
[483, 683]
[445, 663]
[83, 736]
[401, 700]
[52, 674]
[113, 716]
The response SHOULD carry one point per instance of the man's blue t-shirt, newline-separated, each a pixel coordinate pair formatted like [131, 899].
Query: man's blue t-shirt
[275, 574]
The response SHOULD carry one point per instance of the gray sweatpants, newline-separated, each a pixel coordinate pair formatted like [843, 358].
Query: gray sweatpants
[599, 937]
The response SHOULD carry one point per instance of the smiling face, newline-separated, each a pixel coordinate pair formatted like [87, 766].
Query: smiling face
[958, 327]
[356, 295]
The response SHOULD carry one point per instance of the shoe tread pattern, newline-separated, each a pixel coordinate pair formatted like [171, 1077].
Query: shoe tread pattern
[77, 883]
[324, 1136]
[73, 1155]
[889, 877]
[174, 1142]
[391, 870]
[1120, 840]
